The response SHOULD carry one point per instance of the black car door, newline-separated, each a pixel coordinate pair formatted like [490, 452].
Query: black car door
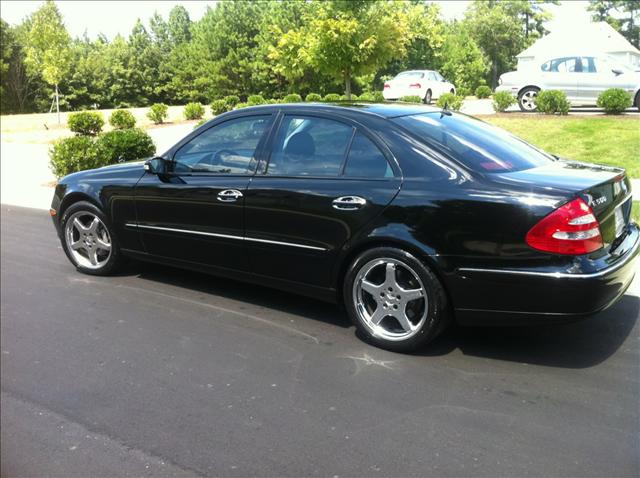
[194, 213]
[324, 179]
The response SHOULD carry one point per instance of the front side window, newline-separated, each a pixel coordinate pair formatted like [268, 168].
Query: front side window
[588, 64]
[227, 148]
[309, 146]
[562, 65]
[439, 76]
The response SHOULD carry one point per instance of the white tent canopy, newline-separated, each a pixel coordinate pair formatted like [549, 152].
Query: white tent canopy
[583, 39]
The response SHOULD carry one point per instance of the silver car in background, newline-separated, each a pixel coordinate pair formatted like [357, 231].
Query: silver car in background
[582, 78]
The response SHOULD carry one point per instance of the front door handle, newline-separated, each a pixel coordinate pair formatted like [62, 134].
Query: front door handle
[229, 195]
[348, 203]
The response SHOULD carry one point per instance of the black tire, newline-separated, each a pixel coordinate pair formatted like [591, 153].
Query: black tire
[427, 97]
[110, 263]
[637, 101]
[524, 99]
[433, 318]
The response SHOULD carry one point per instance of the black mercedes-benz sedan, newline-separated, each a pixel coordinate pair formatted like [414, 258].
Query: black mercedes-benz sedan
[408, 215]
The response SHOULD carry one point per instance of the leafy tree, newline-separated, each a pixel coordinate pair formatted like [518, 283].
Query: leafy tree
[626, 19]
[344, 39]
[463, 62]
[179, 25]
[47, 48]
[500, 38]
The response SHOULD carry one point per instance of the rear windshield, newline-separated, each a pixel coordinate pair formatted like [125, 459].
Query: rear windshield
[411, 74]
[477, 145]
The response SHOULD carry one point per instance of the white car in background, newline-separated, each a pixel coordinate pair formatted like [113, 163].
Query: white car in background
[582, 78]
[427, 84]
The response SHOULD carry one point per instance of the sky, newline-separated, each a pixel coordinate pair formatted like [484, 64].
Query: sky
[113, 17]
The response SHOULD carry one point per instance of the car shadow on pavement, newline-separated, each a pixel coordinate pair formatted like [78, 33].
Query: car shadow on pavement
[245, 292]
[581, 344]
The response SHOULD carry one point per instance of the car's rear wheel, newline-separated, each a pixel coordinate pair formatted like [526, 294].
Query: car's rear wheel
[88, 239]
[637, 101]
[427, 97]
[527, 99]
[394, 300]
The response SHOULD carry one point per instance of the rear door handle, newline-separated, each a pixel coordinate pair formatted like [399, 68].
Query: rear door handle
[349, 203]
[229, 195]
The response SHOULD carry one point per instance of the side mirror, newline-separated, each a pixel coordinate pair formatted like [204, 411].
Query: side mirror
[156, 165]
[617, 72]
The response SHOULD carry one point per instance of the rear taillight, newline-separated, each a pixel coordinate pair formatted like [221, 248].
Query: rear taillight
[571, 229]
[415, 85]
[387, 85]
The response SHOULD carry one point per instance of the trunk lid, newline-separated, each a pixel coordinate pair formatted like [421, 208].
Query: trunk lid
[605, 189]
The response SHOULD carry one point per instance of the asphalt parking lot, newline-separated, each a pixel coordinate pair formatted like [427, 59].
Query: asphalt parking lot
[158, 372]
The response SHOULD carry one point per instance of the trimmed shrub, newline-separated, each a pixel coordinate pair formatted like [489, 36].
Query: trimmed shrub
[411, 99]
[502, 100]
[255, 100]
[231, 101]
[293, 98]
[220, 106]
[344, 98]
[450, 101]
[85, 123]
[463, 91]
[241, 105]
[193, 111]
[77, 153]
[378, 97]
[483, 91]
[122, 119]
[614, 101]
[200, 123]
[124, 145]
[158, 113]
[315, 97]
[273, 101]
[552, 102]
[366, 97]
[331, 97]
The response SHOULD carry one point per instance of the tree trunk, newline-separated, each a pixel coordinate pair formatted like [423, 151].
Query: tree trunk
[494, 72]
[347, 85]
[57, 103]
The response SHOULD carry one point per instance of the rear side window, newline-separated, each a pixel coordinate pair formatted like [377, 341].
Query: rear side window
[477, 145]
[365, 160]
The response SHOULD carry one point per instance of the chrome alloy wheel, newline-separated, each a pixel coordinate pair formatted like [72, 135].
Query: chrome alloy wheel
[528, 100]
[390, 299]
[88, 240]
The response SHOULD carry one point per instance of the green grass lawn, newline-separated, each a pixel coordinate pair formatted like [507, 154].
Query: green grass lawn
[604, 140]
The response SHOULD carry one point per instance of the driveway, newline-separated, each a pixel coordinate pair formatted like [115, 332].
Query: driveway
[159, 372]
[25, 177]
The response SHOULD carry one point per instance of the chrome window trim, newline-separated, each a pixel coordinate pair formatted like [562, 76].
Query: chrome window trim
[226, 236]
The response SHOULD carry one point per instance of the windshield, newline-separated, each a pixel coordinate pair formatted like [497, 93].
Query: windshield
[477, 145]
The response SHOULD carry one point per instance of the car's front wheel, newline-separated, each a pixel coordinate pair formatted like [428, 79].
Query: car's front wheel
[527, 99]
[395, 301]
[88, 239]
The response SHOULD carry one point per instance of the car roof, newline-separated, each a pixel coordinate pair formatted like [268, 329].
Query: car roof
[383, 110]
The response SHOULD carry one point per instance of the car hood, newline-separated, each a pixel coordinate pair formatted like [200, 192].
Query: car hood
[105, 172]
